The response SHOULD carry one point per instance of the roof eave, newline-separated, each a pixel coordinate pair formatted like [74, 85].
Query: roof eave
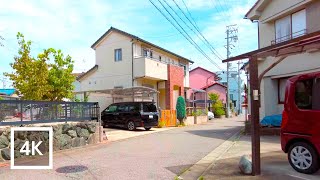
[94, 45]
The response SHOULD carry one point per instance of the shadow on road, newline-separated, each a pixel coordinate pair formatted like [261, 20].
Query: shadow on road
[215, 133]
[139, 129]
[179, 169]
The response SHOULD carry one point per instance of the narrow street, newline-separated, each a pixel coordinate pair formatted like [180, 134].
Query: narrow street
[160, 155]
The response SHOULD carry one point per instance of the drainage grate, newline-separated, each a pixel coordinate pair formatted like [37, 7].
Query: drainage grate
[72, 169]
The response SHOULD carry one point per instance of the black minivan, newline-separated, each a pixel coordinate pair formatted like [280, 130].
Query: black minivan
[131, 115]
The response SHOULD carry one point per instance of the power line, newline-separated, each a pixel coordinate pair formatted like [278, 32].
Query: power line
[213, 50]
[186, 35]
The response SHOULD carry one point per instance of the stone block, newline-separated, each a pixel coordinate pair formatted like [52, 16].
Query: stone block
[5, 153]
[65, 128]
[245, 165]
[84, 133]
[91, 128]
[72, 133]
[4, 141]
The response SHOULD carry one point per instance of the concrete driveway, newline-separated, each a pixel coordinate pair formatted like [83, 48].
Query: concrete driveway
[116, 134]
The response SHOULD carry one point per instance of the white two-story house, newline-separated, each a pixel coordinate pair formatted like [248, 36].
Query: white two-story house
[124, 61]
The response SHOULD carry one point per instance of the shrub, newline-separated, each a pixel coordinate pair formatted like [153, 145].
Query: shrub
[219, 112]
[181, 109]
[161, 124]
[218, 109]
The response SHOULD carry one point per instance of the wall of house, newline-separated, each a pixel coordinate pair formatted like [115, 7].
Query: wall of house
[198, 78]
[166, 58]
[233, 85]
[276, 9]
[313, 14]
[175, 78]
[111, 73]
[218, 90]
[292, 65]
[148, 83]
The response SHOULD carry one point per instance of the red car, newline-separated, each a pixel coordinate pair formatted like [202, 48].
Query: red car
[300, 128]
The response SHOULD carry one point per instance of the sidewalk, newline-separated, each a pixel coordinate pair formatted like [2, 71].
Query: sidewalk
[274, 163]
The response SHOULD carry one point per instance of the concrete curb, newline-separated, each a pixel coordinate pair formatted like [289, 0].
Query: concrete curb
[205, 164]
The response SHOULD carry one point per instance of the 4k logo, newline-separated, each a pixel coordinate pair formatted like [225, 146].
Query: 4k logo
[30, 142]
[25, 148]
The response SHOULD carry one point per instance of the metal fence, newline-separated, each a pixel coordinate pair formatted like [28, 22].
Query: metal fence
[16, 112]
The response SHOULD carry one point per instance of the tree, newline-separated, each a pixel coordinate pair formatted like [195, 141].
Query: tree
[217, 105]
[40, 78]
[181, 109]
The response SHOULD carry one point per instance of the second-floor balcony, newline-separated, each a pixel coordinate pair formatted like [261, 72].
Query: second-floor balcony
[289, 37]
[146, 67]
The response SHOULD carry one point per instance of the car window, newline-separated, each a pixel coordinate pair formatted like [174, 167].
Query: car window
[112, 108]
[133, 108]
[149, 107]
[303, 94]
[122, 108]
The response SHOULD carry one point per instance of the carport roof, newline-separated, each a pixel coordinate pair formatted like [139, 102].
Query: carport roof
[132, 91]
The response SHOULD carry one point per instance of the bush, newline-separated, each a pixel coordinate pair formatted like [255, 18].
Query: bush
[219, 112]
[161, 124]
[218, 109]
[181, 109]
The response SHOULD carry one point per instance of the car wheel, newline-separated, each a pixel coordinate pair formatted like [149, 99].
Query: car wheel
[147, 129]
[131, 126]
[303, 158]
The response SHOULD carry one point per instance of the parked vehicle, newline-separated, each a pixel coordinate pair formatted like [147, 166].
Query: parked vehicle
[210, 115]
[131, 115]
[300, 128]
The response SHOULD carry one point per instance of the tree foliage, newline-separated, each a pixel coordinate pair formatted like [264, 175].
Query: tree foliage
[46, 77]
[181, 109]
[217, 105]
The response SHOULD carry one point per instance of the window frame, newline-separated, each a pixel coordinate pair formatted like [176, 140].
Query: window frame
[115, 55]
[291, 33]
[279, 99]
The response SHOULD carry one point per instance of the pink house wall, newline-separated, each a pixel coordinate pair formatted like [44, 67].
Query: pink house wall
[198, 80]
[218, 90]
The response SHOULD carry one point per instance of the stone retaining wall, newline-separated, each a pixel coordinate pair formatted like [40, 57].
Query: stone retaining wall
[65, 136]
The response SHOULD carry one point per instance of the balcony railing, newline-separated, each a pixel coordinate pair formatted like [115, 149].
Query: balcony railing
[289, 37]
[150, 68]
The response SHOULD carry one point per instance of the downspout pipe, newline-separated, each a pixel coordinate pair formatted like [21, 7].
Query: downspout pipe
[132, 76]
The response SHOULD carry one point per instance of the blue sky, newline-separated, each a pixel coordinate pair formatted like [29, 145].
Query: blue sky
[74, 25]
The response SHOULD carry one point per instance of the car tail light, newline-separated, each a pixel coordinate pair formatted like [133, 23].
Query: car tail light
[285, 119]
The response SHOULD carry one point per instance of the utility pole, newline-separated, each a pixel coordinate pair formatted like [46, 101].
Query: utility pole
[232, 31]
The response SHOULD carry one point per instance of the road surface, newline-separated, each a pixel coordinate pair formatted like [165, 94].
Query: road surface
[160, 155]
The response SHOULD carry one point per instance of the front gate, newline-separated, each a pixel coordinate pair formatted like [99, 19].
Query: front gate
[169, 117]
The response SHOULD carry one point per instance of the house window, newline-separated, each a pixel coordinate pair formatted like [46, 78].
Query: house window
[291, 26]
[299, 23]
[185, 70]
[117, 55]
[160, 58]
[281, 89]
[147, 53]
[305, 94]
[231, 97]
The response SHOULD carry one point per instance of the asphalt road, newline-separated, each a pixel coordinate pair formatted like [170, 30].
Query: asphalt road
[160, 155]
